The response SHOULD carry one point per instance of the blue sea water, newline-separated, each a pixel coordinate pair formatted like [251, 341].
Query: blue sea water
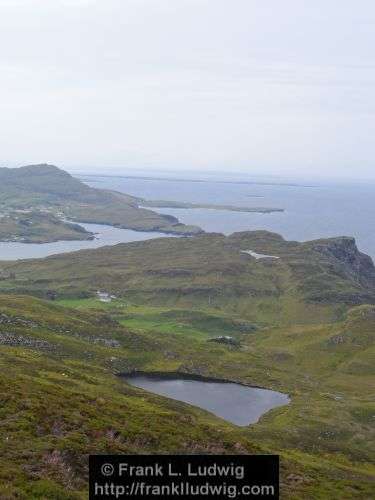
[312, 209]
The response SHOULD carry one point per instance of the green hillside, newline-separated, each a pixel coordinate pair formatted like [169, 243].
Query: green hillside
[62, 398]
[308, 282]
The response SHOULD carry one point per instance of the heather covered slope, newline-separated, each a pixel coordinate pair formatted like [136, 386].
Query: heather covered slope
[307, 282]
[63, 400]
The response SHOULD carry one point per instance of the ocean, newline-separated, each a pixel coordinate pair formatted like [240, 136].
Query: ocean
[312, 209]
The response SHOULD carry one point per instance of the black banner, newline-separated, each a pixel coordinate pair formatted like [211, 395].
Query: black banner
[184, 477]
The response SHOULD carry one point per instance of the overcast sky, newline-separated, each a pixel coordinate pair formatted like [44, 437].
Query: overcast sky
[263, 86]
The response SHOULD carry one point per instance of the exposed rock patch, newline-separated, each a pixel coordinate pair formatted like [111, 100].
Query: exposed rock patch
[21, 341]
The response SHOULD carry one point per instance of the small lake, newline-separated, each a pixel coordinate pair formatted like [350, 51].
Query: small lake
[238, 404]
[104, 235]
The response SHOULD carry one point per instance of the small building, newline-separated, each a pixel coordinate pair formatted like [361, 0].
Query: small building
[104, 296]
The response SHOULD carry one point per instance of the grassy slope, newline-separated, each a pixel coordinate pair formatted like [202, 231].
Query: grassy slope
[310, 282]
[62, 401]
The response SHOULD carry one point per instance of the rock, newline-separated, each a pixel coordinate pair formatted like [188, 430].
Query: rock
[347, 256]
[225, 340]
[14, 320]
[106, 342]
[20, 341]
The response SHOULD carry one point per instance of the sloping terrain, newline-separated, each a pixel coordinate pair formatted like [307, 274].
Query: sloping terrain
[62, 399]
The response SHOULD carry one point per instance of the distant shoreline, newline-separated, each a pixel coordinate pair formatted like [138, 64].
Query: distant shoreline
[206, 206]
[174, 179]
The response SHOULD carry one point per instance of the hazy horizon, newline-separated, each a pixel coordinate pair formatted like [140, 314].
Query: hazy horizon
[220, 175]
[238, 88]
[306, 179]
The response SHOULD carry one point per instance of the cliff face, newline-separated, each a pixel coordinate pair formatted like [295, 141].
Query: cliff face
[347, 259]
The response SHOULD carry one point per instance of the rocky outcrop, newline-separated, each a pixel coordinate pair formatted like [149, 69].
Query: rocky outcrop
[16, 320]
[225, 339]
[347, 258]
[12, 339]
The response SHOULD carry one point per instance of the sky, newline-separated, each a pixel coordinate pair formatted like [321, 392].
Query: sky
[257, 86]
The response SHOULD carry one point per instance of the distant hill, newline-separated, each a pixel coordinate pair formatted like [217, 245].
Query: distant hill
[45, 180]
[36, 186]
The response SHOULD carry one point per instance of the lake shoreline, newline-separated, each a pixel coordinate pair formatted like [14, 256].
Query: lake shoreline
[234, 402]
[191, 376]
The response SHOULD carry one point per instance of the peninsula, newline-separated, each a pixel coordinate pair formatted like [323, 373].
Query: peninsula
[36, 202]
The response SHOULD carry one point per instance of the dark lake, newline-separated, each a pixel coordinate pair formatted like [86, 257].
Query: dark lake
[235, 403]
